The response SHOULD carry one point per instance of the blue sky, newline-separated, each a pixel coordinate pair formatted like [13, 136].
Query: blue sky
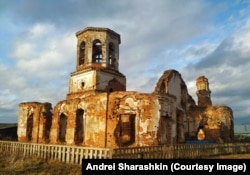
[195, 37]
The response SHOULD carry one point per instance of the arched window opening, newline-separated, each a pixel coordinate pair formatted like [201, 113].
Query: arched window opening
[29, 127]
[47, 125]
[163, 88]
[97, 52]
[111, 57]
[81, 53]
[79, 126]
[62, 127]
[127, 129]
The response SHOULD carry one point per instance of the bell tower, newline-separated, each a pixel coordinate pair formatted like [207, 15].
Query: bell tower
[203, 92]
[97, 63]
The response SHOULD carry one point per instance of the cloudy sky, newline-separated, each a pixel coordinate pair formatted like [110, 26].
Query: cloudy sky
[195, 37]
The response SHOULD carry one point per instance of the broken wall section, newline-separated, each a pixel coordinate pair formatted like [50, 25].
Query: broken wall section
[34, 122]
[133, 119]
[80, 121]
[219, 123]
[172, 86]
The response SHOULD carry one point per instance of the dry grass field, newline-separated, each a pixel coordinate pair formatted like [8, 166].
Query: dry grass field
[11, 165]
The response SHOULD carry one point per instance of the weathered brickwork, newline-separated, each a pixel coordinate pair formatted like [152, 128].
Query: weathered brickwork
[203, 92]
[34, 122]
[99, 112]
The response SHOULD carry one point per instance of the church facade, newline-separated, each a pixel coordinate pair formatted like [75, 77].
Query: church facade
[99, 112]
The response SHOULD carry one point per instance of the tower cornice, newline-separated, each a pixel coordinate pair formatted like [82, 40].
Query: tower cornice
[99, 29]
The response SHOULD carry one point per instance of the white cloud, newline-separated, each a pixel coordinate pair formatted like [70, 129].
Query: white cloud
[41, 30]
[39, 53]
[155, 36]
[23, 50]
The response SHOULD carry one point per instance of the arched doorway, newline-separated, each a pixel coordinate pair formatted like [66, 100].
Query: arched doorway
[29, 127]
[79, 129]
[62, 127]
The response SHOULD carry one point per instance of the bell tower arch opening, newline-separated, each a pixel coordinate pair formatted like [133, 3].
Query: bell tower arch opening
[97, 51]
[81, 60]
[111, 58]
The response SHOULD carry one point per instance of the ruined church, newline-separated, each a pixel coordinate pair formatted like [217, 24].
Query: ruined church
[99, 112]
